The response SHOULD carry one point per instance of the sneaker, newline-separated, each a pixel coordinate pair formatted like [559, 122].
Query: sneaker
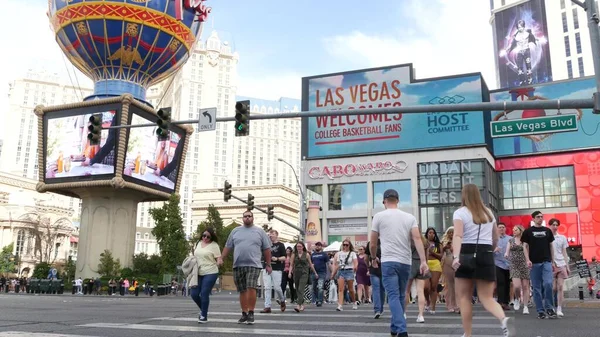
[243, 319]
[432, 312]
[541, 315]
[339, 308]
[551, 313]
[508, 327]
[354, 307]
[404, 315]
[420, 319]
[530, 305]
[517, 305]
[282, 306]
[525, 310]
[202, 320]
[559, 312]
[377, 315]
[266, 311]
[250, 320]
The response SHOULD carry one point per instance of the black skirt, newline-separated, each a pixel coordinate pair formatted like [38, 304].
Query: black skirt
[485, 268]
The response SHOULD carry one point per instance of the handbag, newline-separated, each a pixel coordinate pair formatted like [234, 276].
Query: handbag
[468, 261]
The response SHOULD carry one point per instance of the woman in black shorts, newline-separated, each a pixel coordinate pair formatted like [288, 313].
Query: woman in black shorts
[475, 236]
[420, 279]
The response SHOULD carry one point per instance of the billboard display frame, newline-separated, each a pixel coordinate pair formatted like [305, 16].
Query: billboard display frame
[180, 131]
[571, 84]
[305, 105]
[78, 111]
[502, 61]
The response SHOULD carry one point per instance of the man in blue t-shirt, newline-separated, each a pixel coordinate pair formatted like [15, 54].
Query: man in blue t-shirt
[320, 260]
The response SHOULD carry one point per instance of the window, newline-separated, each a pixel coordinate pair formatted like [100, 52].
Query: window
[581, 70]
[403, 188]
[347, 196]
[20, 242]
[578, 42]
[567, 47]
[570, 69]
[439, 217]
[575, 19]
[138, 235]
[503, 2]
[564, 23]
[562, 4]
[538, 188]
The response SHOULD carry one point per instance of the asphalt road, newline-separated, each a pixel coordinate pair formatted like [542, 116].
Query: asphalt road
[115, 316]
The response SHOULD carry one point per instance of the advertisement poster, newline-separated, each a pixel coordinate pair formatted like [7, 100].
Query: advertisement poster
[68, 150]
[586, 136]
[150, 159]
[329, 136]
[522, 45]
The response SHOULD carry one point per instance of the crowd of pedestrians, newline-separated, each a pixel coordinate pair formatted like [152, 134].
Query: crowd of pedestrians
[474, 261]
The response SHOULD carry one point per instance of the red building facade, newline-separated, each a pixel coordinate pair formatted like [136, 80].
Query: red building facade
[579, 217]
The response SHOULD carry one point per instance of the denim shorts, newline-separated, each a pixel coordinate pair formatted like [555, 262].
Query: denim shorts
[346, 274]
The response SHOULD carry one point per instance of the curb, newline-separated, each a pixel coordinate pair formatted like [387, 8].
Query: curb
[591, 304]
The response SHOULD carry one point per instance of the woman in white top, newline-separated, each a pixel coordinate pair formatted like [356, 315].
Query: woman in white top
[475, 236]
[206, 252]
[345, 265]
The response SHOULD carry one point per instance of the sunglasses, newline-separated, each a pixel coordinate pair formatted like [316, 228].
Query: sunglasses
[206, 236]
[346, 245]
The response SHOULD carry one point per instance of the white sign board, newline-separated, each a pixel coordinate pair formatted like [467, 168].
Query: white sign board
[207, 119]
[347, 226]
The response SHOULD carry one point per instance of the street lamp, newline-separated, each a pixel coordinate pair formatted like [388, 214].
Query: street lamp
[302, 196]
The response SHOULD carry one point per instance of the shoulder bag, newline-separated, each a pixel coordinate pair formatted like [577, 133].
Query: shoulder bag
[468, 261]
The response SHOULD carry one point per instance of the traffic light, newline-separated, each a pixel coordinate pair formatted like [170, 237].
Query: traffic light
[95, 128]
[270, 212]
[250, 202]
[242, 118]
[164, 118]
[227, 191]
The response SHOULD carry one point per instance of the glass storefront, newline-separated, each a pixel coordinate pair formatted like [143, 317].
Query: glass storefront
[552, 187]
[440, 185]
[347, 196]
[403, 187]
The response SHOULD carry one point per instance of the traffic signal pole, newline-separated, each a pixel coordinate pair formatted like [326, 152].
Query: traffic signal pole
[302, 233]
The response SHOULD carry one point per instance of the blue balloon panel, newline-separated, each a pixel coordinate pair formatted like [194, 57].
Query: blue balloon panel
[128, 45]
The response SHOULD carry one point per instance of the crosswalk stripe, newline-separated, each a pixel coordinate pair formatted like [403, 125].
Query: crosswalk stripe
[244, 331]
[35, 334]
[429, 325]
[311, 314]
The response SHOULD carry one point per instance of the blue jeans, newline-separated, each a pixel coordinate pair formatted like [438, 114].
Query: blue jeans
[378, 293]
[201, 293]
[317, 287]
[395, 277]
[541, 281]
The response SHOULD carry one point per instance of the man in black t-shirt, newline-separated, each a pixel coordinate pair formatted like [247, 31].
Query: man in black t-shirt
[273, 280]
[376, 280]
[539, 255]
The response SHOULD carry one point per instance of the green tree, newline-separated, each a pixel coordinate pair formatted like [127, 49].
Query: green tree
[109, 266]
[8, 263]
[213, 220]
[146, 264]
[228, 262]
[70, 271]
[41, 270]
[169, 234]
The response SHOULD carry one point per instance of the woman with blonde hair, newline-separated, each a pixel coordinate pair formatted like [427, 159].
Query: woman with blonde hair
[448, 271]
[474, 240]
[519, 272]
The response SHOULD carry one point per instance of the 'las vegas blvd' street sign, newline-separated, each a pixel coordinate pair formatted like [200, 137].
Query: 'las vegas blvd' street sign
[532, 126]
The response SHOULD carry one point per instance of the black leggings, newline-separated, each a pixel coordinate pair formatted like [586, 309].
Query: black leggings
[288, 281]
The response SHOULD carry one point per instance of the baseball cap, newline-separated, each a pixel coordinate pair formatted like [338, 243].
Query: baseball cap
[391, 193]
[318, 243]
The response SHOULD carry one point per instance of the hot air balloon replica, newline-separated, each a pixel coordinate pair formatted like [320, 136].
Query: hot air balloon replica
[124, 46]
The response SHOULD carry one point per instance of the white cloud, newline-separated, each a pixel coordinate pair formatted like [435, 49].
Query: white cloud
[271, 86]
[453, 45]
[331, 81]
[467, 87]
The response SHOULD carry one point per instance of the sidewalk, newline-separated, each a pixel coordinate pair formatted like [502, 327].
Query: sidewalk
[587, 303]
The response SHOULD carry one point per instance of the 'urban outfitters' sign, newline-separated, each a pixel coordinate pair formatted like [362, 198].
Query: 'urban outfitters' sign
[442, 182]
[532, 126]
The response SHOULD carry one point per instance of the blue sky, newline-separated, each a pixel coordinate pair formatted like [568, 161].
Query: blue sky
[281, 41]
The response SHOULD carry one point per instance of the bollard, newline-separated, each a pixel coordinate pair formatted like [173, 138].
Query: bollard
[581, 293]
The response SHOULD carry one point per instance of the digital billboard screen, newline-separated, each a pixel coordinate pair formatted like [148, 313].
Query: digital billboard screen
[330, 136]
[149, 160]
[68, 154]
[522, 45]
[586, 136]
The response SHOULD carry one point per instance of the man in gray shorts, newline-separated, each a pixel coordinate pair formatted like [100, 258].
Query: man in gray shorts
[249, 243]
